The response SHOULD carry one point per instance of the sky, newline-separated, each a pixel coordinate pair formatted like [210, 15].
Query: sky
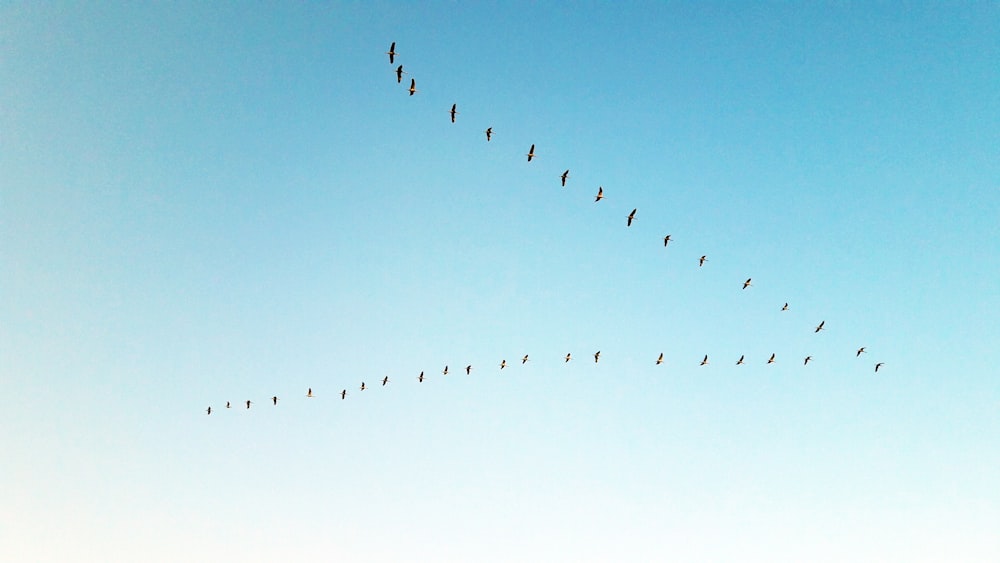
[202, 203]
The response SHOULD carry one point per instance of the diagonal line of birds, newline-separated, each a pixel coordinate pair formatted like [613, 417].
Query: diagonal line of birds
[599, 196]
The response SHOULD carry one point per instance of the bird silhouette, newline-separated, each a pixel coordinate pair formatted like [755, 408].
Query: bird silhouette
[747, 283]
[343, 394]
[399, 74]
[806, 361]
[363, 387]
[568, 358]
[413, 86]
[453, 112]
[597, 356]
[420, 377]
[385, 380]
[563, 177]
[274, 400]
[771, 359]
[248, 404]
[445, 371]
[631, 217]
[704, 361]
[702, 260]
[784, 307]
[468, 369]
[861, 350]
[227, 404]
[531, 153]
[600, 194]
[820, 327]
[489, 134]
[878, 365]
[208, 410]
[309, 393]
[524, 359]
[392, 53]
[503, 364]
[666, 240]
[739, 362]
[660, 359]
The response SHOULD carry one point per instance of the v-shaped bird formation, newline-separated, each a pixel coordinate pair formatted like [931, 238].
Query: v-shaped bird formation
[656, 360]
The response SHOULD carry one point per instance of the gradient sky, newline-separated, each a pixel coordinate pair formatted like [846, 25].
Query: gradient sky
[202, 203]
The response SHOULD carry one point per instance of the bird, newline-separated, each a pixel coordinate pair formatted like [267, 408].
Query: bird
[784, 307]
[453, 112]
[739, 362]
[274, 400]
[820, 327]
[445, 371]
[489, 134]
[704, 361]
[666, 240]
[309, 393]
[503, 364]
[878, 365]
[363, 387]
[771, 359]
[702, 260]
[524, 359]
[660, 359]
[806, 362]
[227, 404]
[399, 74]
[468, 369]
[568, 358]
[392, 53]
[861, 350]
[531, 153]
[747, 283]
[413, 86]
[248, 404]
[600, 194]
[563, 177]
[208, 410]
[420, 377]
[597, 356]
[631, 216]
[343, 394]
[385, 380]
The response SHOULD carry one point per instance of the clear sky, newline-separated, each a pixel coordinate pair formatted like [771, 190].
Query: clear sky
[208, 202]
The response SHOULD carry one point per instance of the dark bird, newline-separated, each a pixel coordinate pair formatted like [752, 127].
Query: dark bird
[489, 134]
[820, 327]
[399, 74]
[309, 393]
[568, 358]
[420, 377]
[747, 283]
[739, 362]
[392, 53]
[600, 194]
[413, 86]
[385, 380]
[704, 361]
[702, 260]
[806, 362]
[227, 404]
[208, 410]
[563, 177]
[771, 359]
[631, 216]
[503, 364]
[468, 369]
[666, 240]
[363, 387]
[597, 356]
[531, 153]
[274, 400]
[784, 307]
[453, 112]
[249, 403]
[660, 359]
[445, 371]
[524, 359]
[343, 394]
[878, 365]
[861, 350]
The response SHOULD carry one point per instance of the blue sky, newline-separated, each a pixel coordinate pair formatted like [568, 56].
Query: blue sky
[230, 202]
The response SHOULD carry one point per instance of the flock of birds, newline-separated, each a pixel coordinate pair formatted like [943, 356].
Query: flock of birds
[453, 112]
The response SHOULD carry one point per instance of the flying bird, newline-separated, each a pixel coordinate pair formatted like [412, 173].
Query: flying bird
[208, 410]
[861, 350]
[385, 380]
[274, 400]
[739, 362]
[666, 240]
[227, 404]
[503, 364]
[704, 361]
[563, 177]
[524, 359]
[878, 365]
[445, 371]
[248, 404]
[399, 74]
[597, 356]
[413, 86]
[771, 359]
[453, 112]
[568, 358]
[747, 283]
[392, 53]
[820, 327]
[806, 362]
[489, 134]
[531, 153]
[660, 359]
[343, 394]
[784, 307]
[363, 386]
[468, 369]
[702, 260]
[600, 194]
[631, 216]
[309, 393]
[420, 377]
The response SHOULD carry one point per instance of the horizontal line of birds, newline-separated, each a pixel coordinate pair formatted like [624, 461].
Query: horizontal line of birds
[503, 365]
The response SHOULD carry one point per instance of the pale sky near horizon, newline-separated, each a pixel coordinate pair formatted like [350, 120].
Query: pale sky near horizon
[229, 202]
